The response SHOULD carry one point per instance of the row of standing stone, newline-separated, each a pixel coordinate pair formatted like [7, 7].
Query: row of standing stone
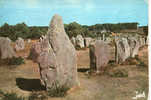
[56, 55]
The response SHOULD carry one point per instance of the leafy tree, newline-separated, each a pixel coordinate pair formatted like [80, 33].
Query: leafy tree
[73, 29]
[21, 30]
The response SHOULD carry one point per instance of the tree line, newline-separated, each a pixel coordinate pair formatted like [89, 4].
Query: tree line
[72, 29]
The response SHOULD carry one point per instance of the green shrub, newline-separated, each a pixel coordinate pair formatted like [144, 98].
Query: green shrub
[131, 61]
[38, 96]
[10, 96]
[118, 72]
[111, 62]
[16, 61]
[79, 48]
[141, 64]
[57, 90]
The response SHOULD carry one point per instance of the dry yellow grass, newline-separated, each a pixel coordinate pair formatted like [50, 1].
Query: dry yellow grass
[96, 87]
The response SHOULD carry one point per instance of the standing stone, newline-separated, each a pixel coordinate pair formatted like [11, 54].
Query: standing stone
[73, 41]
[103, 37]
[93, 41]
[122, 49]
[147, 40]
[80, 41]
[6, 51]
[43, 54]
[87, 41]
[99, 56]
[9, 39]
[56, 56]
[20, 45]
[134, 46]
[29, 41]
[142, 41]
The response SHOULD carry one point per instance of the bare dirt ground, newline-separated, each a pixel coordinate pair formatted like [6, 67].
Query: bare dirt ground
[24, 79]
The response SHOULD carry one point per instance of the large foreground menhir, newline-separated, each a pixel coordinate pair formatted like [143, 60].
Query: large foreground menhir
[56, 56]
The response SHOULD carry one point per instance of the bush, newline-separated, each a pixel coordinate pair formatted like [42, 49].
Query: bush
[141, 64]
[22, 30]
[10, 96]
[131, 61]
[57, 90]
[16, 61]
[118, 72]
[111, 62]
[79, 48]
[38, 96]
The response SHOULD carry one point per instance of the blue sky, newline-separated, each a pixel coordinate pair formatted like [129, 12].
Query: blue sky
[86, 12]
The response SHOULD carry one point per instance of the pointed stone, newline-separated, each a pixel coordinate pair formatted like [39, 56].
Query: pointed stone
[134, 46]
[122, 49]
[64, 51]
[56, 56]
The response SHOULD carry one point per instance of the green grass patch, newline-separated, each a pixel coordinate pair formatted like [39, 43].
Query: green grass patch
[16, 61]
[57, 90]
[10, 96]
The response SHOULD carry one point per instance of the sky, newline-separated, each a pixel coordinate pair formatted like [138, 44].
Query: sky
[85, 12]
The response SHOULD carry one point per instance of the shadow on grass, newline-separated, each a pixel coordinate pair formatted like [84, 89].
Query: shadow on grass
[83, 69]
[29, 84]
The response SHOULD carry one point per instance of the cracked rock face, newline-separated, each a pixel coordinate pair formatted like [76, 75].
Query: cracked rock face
[134, 46]
[6, 51]
[122, 49]
[147, 40]
[99, 56]
[73, 41]
[127, 47]
[20, 45]
[56, 56]
[87, 41]
[80, 41]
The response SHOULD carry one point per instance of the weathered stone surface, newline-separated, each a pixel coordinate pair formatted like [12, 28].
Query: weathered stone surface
[6, 51]
[43, 54]
[20, 45]
[87, 41]
[134, 46]
[29, 41]
[147, 40]
[142, 41]
[99, 55]
[127, 47]
[103, 37]
[93, 41]
[122, 49]
[56, 56]
[9, 39]
[73, 41]
[80, 41]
